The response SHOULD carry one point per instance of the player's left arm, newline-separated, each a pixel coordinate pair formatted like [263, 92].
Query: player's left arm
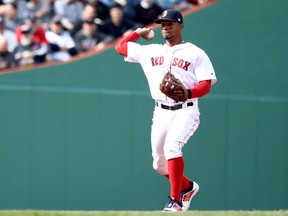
[181, 93]
[204, 72]
[201, 89]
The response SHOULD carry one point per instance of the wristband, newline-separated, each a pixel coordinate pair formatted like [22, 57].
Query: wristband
[189, 94]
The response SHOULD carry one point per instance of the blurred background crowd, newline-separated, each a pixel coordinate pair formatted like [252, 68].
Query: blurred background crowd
[38, 31]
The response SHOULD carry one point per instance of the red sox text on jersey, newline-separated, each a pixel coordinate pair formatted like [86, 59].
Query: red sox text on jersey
[181, 63]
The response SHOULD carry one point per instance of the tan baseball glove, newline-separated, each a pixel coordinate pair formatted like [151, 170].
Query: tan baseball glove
[173, 88]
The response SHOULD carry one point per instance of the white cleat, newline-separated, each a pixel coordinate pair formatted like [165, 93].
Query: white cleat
[173, 206]
[188, 194]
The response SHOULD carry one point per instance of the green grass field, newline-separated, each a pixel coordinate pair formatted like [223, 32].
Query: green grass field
[139, 213]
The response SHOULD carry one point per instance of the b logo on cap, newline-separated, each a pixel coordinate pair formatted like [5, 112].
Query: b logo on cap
[164, 14]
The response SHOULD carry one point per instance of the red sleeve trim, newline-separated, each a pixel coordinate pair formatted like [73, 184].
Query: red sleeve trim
[201, 89]
[121, 46]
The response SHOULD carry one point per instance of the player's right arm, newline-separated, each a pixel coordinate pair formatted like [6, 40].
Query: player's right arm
[122, 45]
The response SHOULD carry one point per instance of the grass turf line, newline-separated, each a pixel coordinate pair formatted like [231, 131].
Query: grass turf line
[139, 213]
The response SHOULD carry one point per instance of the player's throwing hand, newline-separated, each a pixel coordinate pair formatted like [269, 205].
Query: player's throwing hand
[146, 33]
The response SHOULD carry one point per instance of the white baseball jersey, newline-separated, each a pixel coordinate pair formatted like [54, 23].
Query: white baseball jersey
[187, 62]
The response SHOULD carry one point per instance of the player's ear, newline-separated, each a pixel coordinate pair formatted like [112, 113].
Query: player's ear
[182, 25]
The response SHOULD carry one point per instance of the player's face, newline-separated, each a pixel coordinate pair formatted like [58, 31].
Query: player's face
[171, 30]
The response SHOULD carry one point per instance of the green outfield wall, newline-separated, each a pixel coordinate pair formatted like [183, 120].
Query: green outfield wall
[77, 136]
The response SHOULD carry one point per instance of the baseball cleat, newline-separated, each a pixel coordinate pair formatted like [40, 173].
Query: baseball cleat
[173, 206]
[188, 194]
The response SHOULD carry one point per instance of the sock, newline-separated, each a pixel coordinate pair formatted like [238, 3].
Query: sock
[185, 182]
[176, 172]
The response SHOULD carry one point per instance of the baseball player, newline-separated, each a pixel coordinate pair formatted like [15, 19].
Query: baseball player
[178, 73]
